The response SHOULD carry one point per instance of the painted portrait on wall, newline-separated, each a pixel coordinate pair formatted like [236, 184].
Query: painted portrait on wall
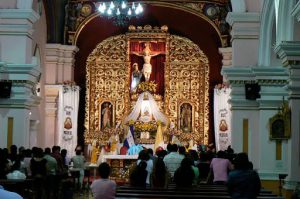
[106, 116]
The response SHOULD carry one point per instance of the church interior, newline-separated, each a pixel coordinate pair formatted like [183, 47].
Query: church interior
[208, 74]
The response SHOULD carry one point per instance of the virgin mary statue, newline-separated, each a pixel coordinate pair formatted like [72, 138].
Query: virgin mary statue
[146, 109]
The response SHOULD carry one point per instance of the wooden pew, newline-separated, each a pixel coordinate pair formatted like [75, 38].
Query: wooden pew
[185, 192]
[162, 196]
[206, 191]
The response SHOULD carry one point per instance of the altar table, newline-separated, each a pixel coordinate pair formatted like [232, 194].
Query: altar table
[120, 165]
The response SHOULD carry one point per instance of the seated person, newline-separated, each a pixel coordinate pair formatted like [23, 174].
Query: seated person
[184, 175]
[139, 175]
[220, 167]
[15, 173]
[160, 176]
[243, 182]
[104, 187]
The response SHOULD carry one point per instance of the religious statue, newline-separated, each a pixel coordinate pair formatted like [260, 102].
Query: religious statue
[135, 77]
[95, 151]
[186, 118]
[147, 55]
[106, 116]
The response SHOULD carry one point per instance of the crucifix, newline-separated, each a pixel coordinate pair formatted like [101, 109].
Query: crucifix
[147, 54]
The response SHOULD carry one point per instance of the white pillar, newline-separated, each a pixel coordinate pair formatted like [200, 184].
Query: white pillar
[59, 69]
[244, 37]
[51, 95]
[289, 53]
[59, 63]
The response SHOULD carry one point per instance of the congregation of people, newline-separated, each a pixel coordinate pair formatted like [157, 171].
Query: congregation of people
[175, 165]
[49, 169]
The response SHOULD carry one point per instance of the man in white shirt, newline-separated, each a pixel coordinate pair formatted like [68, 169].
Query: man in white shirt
[104, 187]
[173, 159]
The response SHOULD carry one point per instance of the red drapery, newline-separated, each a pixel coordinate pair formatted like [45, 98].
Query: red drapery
[157, 62]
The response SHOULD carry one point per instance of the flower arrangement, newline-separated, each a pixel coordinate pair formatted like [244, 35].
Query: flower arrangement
[147, 86]
[140, 126]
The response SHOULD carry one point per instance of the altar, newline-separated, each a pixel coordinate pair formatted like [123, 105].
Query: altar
[146, 87]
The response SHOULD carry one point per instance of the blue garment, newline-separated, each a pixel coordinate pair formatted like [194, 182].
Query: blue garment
[135, 149]
[9, 195]
[243, 184]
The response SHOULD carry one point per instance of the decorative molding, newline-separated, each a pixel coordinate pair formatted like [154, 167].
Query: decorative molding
[28, 14]
[296, 11]
[277, 76]
[289, 52]
[244, 25]
[238, 75]
[227, 56]
[249, 17]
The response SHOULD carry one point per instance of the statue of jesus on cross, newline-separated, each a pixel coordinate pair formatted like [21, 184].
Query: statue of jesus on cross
[147, 54]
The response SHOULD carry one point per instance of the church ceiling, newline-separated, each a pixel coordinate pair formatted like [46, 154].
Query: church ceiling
[65, 18]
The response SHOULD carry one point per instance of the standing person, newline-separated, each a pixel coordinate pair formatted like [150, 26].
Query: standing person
[139, 175]
[220, 166]
[78, 163]
[104, 187]
[144, 156]
[51, 166]
[39, 170]
[173, 160]
[106, 116]
[243, 182]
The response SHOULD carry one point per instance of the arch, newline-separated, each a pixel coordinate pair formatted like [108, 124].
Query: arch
[265, 41]
[285, 25]
[159, 4]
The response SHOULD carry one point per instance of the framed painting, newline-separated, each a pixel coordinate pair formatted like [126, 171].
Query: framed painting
[279, 127]
[107, 114]
[186, 117]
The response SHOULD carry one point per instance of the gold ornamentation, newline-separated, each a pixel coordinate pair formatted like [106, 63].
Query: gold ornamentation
[140, 126]
[147, 86]
[186, 80]
[106, 79]
[75, 23]
[280, 123]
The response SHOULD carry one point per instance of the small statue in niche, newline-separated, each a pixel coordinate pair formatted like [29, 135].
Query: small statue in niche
[135, 77]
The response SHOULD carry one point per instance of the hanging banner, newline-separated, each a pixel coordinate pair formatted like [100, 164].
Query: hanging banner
[222, 118]
[67, 118]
